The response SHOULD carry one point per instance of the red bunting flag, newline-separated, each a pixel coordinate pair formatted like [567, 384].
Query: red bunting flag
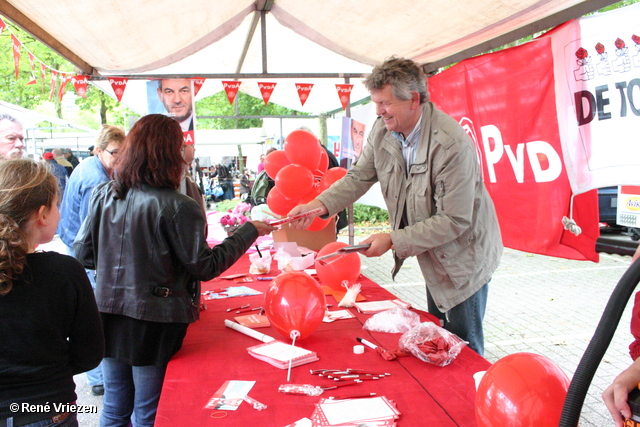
[64, 81]
[304, 90]
[16, 53]
[32, 80]
[32, 62]
[231, 88]
[54, 76]
[344, 92]
[266, 89]
[80, 84]
[197, 84]
[2, 25]
[43, 69]
[118, 84]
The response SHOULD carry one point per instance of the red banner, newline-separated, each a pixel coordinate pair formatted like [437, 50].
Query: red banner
[2, 25]
[197, 84]
[506, 103]
[52, 89]
[80, 84]
[344, 92]
[266, 89]
[15, 43]
[304, 90]
[64, 81]
[231, 89]
[118, 84]
[43, 69]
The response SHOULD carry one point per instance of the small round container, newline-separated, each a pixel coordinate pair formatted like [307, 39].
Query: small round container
[358, 349]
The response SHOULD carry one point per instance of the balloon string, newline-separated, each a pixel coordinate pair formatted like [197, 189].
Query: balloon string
[294, 334]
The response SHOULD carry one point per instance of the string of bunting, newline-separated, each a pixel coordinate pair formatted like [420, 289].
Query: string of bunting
[119, 84]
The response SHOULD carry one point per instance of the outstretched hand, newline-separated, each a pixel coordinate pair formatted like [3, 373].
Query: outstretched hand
[263, 227]
[302, 223]
[615, 396]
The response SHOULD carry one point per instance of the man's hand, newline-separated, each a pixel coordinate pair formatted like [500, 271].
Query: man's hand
[263, 228]
[302, 223]
[380, 243]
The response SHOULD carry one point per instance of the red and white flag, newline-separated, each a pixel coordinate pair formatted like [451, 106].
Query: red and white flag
[231, 89]
[15, 43]
[54, 77]
[266, 89]
[304, 90]
[80, 84]
[197, 84]
[118, 84]
[344, 92]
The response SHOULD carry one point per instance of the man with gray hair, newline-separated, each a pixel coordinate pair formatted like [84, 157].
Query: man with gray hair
[11, 137]
[439, 208]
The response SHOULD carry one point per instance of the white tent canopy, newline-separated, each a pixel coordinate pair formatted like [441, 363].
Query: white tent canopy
[305, 41]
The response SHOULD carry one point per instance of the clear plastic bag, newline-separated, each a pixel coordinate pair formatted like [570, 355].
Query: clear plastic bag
[395, 320]
[431, 343]
[260, 264]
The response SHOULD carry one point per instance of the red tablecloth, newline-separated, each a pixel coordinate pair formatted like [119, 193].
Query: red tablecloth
[212, 354]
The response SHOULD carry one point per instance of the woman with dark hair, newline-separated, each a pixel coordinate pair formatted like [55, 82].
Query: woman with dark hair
[49, 323]
[147, 244]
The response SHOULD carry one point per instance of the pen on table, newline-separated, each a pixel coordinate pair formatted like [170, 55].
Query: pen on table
[264, 278]
[352, 396]
[367, 343]
[215, 291]
[341, 385]
[238, 308]
[244, 310]
[258, 249]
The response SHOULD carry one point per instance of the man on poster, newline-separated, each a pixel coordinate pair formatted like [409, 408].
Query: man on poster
[177, 97]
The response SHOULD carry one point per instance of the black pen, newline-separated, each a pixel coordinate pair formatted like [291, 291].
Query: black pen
[258, 249]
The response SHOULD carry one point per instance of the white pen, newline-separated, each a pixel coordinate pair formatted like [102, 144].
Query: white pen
[367, 343]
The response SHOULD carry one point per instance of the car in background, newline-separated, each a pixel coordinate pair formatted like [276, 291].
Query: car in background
[608, 211]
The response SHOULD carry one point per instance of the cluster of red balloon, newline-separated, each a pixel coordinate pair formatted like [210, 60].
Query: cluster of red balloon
[295, 304]
[300, 174]
[521, 389]
[342, 268]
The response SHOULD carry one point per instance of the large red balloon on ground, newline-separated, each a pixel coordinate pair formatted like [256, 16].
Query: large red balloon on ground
[303, 148]
[521, 389]
[331, 176]
[342, 268]
[294, 181]
[278, 204]
[295, 303]
[274, 161]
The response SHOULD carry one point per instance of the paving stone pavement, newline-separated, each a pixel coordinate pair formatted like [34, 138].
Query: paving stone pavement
[542, 305]
[537, 304]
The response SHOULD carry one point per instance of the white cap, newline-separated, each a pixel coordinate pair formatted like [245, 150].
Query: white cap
[358, 349]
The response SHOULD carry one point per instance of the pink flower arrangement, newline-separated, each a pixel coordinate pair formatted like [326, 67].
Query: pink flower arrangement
[236, 217]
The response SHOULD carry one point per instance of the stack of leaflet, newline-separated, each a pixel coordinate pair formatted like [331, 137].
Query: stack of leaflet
[278, 354]
[370, 412]
[373, 307]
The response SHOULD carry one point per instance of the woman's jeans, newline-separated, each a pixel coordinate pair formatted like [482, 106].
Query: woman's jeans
[131, 394]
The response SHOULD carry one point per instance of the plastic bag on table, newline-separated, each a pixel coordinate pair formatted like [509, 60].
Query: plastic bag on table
[395, 320]
[260, 264]
[431, 343]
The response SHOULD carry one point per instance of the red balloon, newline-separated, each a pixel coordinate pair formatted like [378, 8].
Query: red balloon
[521, 389]
[312, 194]
[279, 204]
[294, 181]
[331, 176]
[318, 224]
[303, 148]
[338, 269]
[274, 161]
[295, 302]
